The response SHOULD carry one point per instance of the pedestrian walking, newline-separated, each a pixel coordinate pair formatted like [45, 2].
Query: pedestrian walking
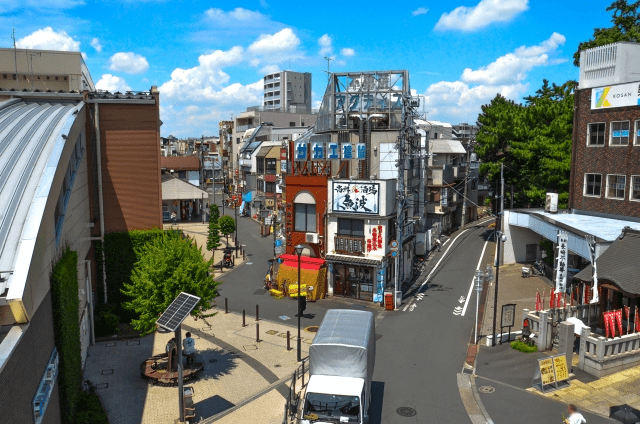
[574, 416]
[438, 244]
[173, 217]
[189, 348]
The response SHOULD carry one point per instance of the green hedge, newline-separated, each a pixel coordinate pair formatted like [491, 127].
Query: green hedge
[524, 347]
[121, 254]
[90, 410]
[66, 326]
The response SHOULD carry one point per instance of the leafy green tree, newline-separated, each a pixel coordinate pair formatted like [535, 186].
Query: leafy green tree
[533, 141]
[167, 266]
[227, 226]
[626, 27]
[213, 237]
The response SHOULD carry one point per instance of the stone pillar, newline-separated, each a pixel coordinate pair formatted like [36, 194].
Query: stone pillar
[600, 348]
[584, 333]
[545, 331]
[566, 338]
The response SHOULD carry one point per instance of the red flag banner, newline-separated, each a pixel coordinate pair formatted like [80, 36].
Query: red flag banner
[627, 311]
[618, 315]
[587, 296]
[538, 301]
[637, 319]
[551, 299]
[612, 323]
[607, 327]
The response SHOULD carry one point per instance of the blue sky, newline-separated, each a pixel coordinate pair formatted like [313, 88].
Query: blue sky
[208, 58]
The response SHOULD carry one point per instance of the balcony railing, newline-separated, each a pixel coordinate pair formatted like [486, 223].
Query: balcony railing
[349, 245]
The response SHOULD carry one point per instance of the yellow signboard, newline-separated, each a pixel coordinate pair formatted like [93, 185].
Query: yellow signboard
[560, 365]
[547, 372]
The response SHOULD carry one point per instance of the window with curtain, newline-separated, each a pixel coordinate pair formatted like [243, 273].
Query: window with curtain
[305, 218]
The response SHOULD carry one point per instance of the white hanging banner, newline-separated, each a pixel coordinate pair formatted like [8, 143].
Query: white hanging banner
[561, 269]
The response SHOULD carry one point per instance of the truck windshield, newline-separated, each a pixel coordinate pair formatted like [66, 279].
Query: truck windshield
[335, 408]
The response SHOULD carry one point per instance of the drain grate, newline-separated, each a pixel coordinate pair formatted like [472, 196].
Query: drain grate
[486, 389]
[405, 411]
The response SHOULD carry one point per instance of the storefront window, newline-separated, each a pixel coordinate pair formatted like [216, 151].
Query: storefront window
[354, 281]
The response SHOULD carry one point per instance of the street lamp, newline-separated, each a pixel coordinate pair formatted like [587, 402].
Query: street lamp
[299, 248]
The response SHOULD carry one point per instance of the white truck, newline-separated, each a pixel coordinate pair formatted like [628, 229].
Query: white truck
[341, 361]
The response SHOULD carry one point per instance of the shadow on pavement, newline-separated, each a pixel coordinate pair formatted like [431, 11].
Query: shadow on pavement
[209, 407]
[377, 397]
[217, 363]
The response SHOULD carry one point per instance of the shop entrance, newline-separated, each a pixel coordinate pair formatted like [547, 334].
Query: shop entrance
[354, 281]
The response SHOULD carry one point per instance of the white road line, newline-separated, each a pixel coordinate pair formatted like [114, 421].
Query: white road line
[472, 280]
[443, 256]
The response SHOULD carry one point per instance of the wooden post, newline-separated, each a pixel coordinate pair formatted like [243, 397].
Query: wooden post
[257, 312]
[243, 318]
[288, 341]
[257, 333]
[226, 305]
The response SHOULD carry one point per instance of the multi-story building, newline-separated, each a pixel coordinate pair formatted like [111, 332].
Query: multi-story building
[352, 154]
[75, 165]
[292, 110]
[43, 70]
[464, 132]
[604, 191]
[288, 90]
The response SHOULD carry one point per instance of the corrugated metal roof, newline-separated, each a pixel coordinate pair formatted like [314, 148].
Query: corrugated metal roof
[176, 189]
[443, 145]
[180, 163]
[263, 151]
[619, 264]
[31, 142]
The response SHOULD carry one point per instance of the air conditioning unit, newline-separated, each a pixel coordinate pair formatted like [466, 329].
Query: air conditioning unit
[311, 238]
[551, 203]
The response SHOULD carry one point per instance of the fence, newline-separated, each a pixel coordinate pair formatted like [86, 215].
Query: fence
[544, 323]
[291, 405]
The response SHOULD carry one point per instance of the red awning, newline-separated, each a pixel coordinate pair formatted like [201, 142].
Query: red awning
[305, 262]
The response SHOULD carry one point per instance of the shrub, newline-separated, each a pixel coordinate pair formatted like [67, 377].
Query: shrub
[106, 321]
[524, 347]
[89, 409]
[66, 329]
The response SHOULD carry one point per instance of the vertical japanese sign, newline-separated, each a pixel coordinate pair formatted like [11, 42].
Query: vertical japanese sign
[563, 252]
[283, 160]
[560, 365]
[356, 197]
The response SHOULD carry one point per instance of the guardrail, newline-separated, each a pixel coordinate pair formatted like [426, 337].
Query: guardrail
[292, 403]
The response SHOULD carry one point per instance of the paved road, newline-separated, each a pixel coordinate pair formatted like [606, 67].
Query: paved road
[421, 350]
[243, 286]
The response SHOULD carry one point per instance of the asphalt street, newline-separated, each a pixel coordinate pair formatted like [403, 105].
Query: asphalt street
[423, 347]
[243, 286]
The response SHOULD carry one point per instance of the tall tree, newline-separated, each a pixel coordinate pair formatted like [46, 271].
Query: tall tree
[213, 236]
[533, 141]
[167, 266]
[626, 27]
[227, 226]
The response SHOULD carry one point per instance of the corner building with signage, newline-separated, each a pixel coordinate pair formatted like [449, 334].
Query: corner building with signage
[342, 198]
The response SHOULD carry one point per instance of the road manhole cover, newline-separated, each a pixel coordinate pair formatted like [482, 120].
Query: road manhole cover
[486, 389]
[405, 411]
[312, 329]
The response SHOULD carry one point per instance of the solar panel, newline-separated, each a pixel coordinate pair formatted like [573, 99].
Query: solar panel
[179, 309]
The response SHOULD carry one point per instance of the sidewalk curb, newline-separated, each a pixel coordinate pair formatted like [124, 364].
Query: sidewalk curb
[471, 399]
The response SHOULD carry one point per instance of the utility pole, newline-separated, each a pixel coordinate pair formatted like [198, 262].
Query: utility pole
[511, 196]
[464, 196]
[498, 240]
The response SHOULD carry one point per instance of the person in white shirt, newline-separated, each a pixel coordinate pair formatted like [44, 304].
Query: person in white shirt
[189, 346]
[574, 416]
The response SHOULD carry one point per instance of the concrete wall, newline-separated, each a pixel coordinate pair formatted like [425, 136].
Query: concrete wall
[515, 248]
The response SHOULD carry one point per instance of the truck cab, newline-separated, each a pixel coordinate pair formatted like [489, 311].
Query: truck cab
[331, 399]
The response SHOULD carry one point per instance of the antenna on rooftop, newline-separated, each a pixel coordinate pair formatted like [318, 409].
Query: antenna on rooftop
[15, 56]
[328, 71]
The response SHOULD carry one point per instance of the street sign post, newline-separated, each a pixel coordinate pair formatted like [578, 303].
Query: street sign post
[507, 318]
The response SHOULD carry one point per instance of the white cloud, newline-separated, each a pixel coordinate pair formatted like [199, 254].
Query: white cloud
[112, 83]
[238, 13]
[95, 43]
[483, 14]
[347, 52]
[48, 39]
[268, 69]
[129, 62]
[326, 45]
[460, 101]
[282, 41]
[420, 11]
[514, 66]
